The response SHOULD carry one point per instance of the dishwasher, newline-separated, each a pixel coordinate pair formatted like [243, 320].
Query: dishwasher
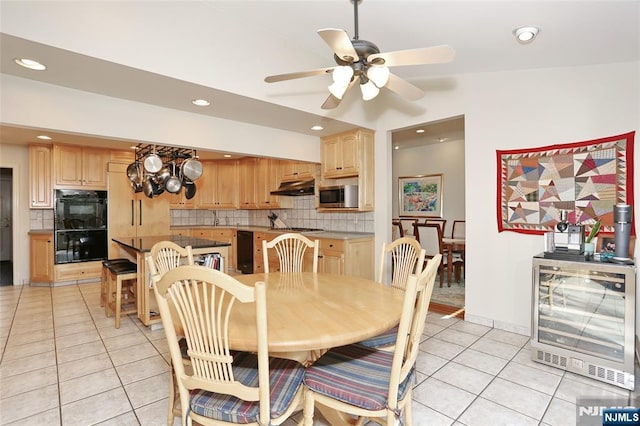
[244, 252]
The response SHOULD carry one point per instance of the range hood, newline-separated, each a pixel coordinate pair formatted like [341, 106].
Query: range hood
[302, 187]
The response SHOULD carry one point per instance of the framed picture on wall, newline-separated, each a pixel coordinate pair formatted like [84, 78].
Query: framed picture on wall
[420, 195]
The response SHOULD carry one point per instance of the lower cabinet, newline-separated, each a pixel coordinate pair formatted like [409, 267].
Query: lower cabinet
[78, 271]
[41, 258]
[352, 257]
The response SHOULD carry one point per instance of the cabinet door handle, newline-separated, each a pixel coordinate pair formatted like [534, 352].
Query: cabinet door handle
[133, 213]
[140, 212]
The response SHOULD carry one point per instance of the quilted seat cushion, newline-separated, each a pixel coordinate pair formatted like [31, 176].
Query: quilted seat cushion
[285, 377]
[356, 375]
[387, 338]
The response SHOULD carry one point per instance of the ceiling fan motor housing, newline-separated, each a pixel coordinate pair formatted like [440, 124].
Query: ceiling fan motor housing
[363, 48]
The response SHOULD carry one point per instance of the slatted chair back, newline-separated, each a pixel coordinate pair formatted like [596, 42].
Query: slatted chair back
[407, 257]
[166, 255]
[291, 248]
[204, 300]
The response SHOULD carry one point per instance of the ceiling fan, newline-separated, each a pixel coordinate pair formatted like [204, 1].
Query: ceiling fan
[361, 61]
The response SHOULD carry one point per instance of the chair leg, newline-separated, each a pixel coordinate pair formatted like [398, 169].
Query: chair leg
[118, 300]
[172, 396]
[308, 408]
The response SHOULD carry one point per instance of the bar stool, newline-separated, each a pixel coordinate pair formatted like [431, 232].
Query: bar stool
[105, 277]
[124, 277]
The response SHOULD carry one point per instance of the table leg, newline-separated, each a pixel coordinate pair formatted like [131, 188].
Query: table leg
[449, 263]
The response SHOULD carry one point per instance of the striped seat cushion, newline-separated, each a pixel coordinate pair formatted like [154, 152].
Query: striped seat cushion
[387, 338]
[285, 377]
[356, 375]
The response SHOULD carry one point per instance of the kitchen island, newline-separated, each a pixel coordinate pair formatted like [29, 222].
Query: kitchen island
[137, 248]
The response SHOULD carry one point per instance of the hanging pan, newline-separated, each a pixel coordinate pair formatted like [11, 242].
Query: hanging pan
[191, 168]
[153, 162]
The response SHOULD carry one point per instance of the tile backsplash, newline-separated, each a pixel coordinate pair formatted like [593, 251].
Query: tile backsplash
[303, 214]
[40, 219]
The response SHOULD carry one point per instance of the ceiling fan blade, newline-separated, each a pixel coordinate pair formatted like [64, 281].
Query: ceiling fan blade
[331, 102]
[424, 55]
[403, 88]
[294, 75]
[340, 43]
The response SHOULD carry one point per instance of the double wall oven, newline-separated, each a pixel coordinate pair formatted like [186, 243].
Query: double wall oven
[80, 225]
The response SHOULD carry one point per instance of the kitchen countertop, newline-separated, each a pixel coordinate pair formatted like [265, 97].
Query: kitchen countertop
[144, 244]
[40, 231]
[337, 235]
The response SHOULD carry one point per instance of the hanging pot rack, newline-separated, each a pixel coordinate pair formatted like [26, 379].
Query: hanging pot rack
[184, 168]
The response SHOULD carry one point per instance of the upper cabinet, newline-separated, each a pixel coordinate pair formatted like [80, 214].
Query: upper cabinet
[80, 167]
[247, 188]
[298, 170]
[348, 158]
[268, 178]
[217, 188]
[40, 178]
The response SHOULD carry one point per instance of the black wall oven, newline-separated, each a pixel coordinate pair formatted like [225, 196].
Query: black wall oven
[80, 225]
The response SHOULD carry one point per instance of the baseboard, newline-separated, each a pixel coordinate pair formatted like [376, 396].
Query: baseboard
[445, 309]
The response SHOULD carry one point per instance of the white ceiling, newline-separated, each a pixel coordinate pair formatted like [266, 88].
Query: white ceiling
[223, 50]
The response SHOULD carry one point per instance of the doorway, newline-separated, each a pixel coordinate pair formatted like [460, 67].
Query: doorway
[6, 226]
[435, 148]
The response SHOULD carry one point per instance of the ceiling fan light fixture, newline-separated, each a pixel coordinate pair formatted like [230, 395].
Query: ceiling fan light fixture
[526, 34]
[379, 75]
[369, 90]
[342, 75]
[338, 89]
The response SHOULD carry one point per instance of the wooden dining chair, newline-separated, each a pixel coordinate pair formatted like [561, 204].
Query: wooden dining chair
[396, 229]
[438, 221]
[429, 235]
[223, 385]
[407, 258]
[163, 257]
[407, 226]
[371, 383]
[291, 248]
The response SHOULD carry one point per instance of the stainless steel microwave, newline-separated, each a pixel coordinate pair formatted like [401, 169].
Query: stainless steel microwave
[340, 196]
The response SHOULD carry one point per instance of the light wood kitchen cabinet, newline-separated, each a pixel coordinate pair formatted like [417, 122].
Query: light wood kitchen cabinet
[40, 177]
[348, 158]
[78, 271]
[298, 170]
[41, 258]
[340, 155]
[133, 214]
[258, 259]
[180, 200]
[227, 235]
[268, 178]
[217, 188]
[247, 183]
[347, 257]
[80, 167]
[185, 232]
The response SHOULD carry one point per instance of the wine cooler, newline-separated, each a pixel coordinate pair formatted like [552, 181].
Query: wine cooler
[584, 318]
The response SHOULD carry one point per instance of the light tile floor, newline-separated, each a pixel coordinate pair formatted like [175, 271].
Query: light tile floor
[63, 362]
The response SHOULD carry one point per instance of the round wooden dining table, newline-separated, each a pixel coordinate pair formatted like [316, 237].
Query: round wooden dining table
[308, 313]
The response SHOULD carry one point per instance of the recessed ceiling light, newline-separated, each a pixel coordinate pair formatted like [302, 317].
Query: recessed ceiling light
[317, 127]
[30, 63]
[526, 34]
[201, 102]
[227, 155]
[420, 131]
[44, 137]
[396, 147]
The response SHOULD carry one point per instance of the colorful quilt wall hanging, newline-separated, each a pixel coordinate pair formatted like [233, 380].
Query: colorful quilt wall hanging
[584, 178]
